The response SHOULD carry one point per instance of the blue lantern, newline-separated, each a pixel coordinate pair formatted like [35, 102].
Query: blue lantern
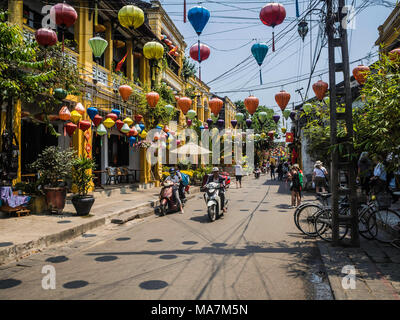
[116, 111]
[142, 126]
[198, 17]
[92, 112]
[259, 51]
[201, 127]
[132, 141]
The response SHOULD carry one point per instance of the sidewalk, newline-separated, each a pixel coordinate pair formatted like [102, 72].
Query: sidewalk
[377, 268]
[29, 234]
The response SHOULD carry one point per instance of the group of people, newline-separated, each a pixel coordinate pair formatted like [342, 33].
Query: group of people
[273, 167]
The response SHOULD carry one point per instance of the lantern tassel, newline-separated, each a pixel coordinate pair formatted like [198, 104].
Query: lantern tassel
[260, 77]
[297, 9]
[65, 131]
[273, 40]
[184, 11]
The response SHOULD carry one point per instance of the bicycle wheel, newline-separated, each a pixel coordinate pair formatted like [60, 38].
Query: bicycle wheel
[305, 219]
[367, 223]
[323, 226]
[387, 226]
[297, 211]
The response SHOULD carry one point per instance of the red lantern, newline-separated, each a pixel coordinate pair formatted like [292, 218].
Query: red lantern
[271, 134]
[97, 119]
[138, 118]
[132, 133]
[64, 113]
[84, 125]
[360, 73]
[63, 14]
[119, 124]
[46, 37]
[112, 116]
[125, 91]
[177, 98]
[282, 99]
[215, 105]
[320, 88]
[251, 104]
[289, 137]
[204, 52]
[152, 99]
[271, 15]
[184, 104]
[70, 128]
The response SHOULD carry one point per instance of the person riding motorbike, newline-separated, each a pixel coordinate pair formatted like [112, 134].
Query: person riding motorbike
[173, 177]
[181, 187]
[257, 172]
[216, 177]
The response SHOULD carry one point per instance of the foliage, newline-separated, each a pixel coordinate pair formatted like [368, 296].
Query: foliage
[189, 69]
[54, 164]
[30, 188]
[190, 92]
[257, 125]
[81, 174]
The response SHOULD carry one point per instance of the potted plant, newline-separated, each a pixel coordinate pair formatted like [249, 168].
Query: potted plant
[82, 180]
[54, 167]
[34, 190]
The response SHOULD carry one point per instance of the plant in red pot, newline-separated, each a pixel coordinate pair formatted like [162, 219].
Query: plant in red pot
[54, 167]
[82, 180]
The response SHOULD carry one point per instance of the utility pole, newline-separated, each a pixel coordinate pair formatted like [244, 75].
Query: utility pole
[341, 159]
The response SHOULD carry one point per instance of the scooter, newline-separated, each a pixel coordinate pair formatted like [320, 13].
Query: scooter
[168, 202]
[257, 173]
[213, 200]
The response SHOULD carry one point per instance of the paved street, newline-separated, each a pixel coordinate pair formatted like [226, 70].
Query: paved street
[254, 252]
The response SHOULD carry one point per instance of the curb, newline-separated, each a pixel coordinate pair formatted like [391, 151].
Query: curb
[22, 250]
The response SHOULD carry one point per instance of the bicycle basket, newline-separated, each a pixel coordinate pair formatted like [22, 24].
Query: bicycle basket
[384, 200]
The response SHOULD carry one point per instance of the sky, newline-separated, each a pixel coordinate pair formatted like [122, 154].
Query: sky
[234, 27]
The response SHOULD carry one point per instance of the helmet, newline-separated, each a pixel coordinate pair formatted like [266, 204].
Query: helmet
[172, 170]
[215, 169]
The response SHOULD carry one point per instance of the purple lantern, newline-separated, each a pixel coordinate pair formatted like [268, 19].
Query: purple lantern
[248, 123]
[234, 123]
[210, 122]
[293, 116]
[189, 122]
[220, 123]
[276, 118]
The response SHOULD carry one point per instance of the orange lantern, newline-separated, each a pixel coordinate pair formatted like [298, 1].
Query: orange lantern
[152, 99]
[251, 104]
[360, 73]
[320, 88]
[184, 104]
[119, 124]
[112, 116]
[125, 91]
[215, 105]
[64, 113]
[282, 99]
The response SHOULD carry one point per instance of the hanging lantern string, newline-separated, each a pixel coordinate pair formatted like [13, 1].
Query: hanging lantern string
[184, 11]
[199, 59]
[261, 82]
[297, 9]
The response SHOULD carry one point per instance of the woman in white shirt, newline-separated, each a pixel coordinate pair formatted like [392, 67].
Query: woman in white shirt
[319, 177]
[238, 174]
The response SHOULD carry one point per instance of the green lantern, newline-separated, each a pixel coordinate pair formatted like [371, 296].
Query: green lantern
[101, 130]
[214, 118]
[286, 114]
[307, 107]
[98, 46]
[191, 114]
[239, 117]
[169, 108]
[60, 93]
[153, 50]
[262, 116]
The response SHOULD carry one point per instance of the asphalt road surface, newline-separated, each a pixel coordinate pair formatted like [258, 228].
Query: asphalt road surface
[253, 252]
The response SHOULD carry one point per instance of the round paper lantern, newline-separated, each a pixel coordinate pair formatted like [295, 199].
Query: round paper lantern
[215, 105]
[262, 116]
[97, 119]
[201, 127]
[98, 46]
[60, 93]
[153, 50]
[70, 128]
[184, 104]
[131, 16]
[132, 141]
[84, 125]
[80, 108]
[272, 14]
[286, 114]
[177, 98]
[166, 129]
[119, 124]
[46, 37]
[169, 108]
[141, 126]
[101, 130]
[138, 118]
[143, 134]
[128, 121]
[63, 14]
[75, 116]
[191, 114]
[125, 91]
[209, 122]
[276, 118]
[204, 52]
[64, 113]
[132, 132]
[152, 99]
[109, 123]
[116, 111]
[178, 142]
[320, 88]
[234, 123]
[251, 104]
[360, 73]
[112, 116]
[92, 112]
[189, 122]
[125, 128]
[198, 17]
[282, 99]
[248, 123]
[239, 117]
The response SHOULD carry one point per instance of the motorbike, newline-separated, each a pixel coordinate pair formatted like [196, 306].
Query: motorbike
[264, 170]
[213, 200]
[168, 202]
[257, 173]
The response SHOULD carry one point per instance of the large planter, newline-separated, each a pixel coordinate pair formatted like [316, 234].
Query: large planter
[55, 198]
[38, 204]
[83, 205]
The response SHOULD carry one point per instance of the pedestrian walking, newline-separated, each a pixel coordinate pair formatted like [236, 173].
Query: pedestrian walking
[319, 177]
[378, 180]
[295, 185]
[238, 174]
[279, 170]
[364, 172]
[272, 169]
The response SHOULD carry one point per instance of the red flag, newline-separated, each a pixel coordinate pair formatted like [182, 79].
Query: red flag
[119, 65]
[289, 137]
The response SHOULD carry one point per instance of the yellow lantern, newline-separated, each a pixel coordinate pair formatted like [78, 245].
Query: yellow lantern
[131, 17]
[109, 123]
[153, 50]
[75, 116]
[143, 135]
[283, 130]
[128, 121]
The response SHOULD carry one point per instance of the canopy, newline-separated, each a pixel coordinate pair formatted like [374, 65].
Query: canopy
[192, 149]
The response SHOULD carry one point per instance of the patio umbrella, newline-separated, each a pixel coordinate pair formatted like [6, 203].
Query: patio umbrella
[192, 149]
